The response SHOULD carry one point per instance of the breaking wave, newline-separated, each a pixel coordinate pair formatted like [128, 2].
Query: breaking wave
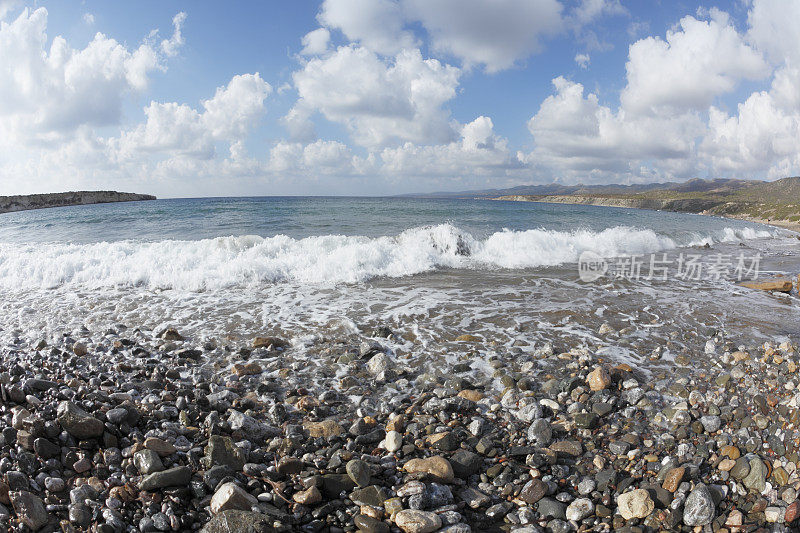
[218, 263]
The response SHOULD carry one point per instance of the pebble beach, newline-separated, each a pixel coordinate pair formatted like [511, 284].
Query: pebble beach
[125, 430]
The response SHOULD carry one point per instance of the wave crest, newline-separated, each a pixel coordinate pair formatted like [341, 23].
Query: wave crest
[240, 261]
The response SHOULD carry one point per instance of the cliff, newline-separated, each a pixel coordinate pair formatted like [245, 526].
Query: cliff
[61, 199]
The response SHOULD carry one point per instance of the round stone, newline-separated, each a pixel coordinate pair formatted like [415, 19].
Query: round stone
[635, 504]
[580, 509]
[699, 509]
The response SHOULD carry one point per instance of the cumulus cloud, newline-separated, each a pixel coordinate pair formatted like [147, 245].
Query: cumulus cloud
[375, 24]
[478, 151]
[177, 129]
[380, 101]
[763, 135]
[579, 138]
[492, 34]
[696, 63]
[774, 29]
[670, 122]
[88, 18]
[49, 93]
[315, 42]
[582, 60]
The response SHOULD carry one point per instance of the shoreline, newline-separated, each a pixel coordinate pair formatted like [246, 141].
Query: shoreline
[620, 203]
[161, 432]
[27, 202]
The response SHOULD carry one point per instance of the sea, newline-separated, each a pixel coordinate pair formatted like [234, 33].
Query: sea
[454, 280]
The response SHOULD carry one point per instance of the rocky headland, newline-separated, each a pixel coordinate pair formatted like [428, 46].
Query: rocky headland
[62, 199]
[776, 203]
[125, 430]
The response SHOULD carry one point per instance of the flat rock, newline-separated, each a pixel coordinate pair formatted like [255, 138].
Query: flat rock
[367, 524]
[231, 496]
[437, 467]
[240, 522]
[413, 521]
[221, 451]
[571, 448]
[777, 285]
[78, 422]
[178, 476]
[160, 446]
[30, 509]
[326, 429]
[673, 478]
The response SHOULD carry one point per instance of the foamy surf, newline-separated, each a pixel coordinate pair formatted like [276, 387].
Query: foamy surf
[224, 262]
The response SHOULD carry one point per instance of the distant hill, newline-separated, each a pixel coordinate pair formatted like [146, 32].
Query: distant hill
[694, 185]
[61, 199]
[775, 202]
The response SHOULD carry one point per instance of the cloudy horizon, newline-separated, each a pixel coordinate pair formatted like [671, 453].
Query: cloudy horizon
[359, 97]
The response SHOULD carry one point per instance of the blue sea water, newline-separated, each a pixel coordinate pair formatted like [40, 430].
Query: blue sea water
[298, 217]
[433, 268]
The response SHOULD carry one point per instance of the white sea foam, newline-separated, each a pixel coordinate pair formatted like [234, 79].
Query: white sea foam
[223, 262]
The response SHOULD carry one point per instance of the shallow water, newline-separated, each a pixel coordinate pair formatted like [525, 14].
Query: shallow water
[431, 270]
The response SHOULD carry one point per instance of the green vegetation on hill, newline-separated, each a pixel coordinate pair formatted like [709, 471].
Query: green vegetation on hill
[777, 202]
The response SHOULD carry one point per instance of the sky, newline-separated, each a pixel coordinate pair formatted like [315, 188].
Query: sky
[378, 97]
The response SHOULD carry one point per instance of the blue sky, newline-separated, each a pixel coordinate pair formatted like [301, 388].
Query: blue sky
[394, 95]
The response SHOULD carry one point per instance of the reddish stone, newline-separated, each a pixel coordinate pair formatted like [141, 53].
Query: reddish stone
[792, 512]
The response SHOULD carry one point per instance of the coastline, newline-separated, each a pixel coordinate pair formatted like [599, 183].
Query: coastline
[12, 204]
[646, 204]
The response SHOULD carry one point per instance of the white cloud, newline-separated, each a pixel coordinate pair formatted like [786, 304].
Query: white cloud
[49, 93]
[479, 151]
[774, 28]
[7, 6]
[763, 136]
[381, 101]
[582, 60]
[171, 46]
[589, 10]
[494, 34]
[317, 158]
[316, 42]
[178, 130]
[375, 24]
[88, 18]
[696, 63]
[578, 138]
[668, 124]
